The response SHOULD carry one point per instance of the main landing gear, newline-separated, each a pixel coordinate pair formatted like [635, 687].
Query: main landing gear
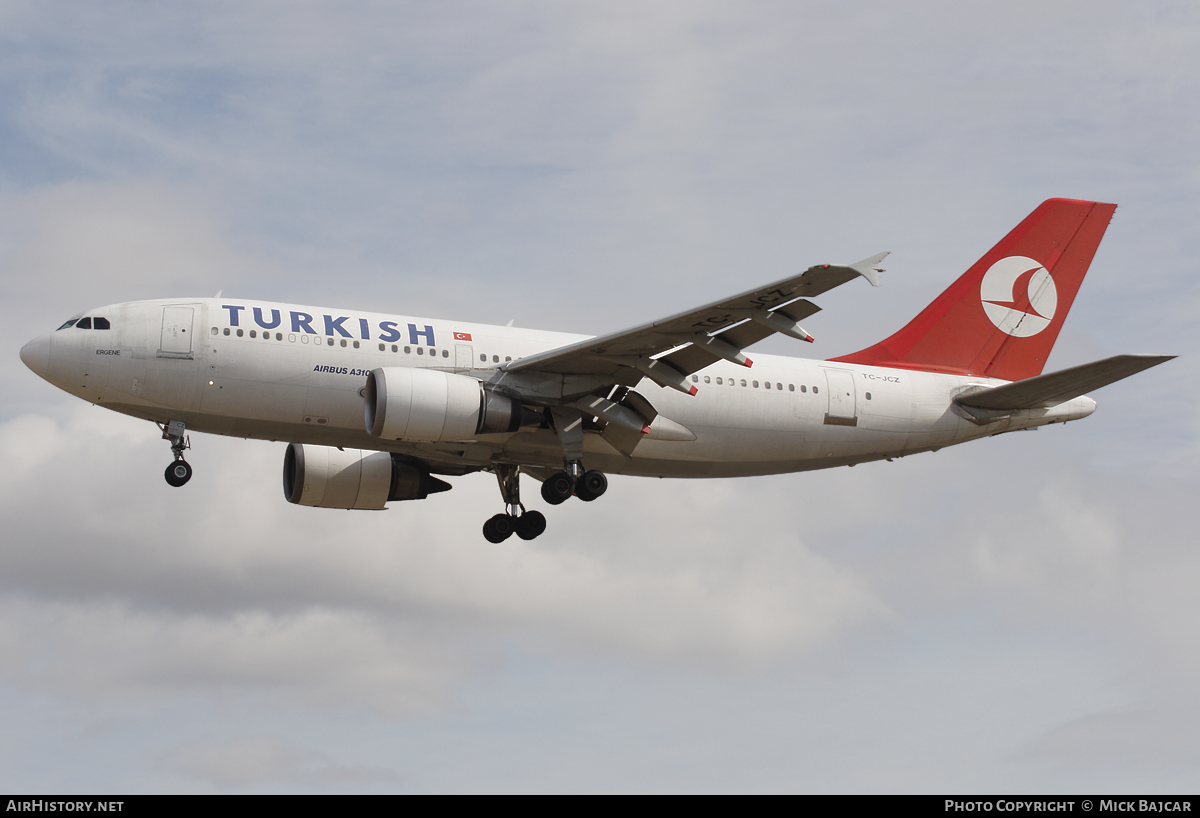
[525, 524]
[180, 471]
[586, 485]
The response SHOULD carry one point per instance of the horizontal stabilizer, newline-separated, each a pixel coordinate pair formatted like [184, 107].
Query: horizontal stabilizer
[1059, 387]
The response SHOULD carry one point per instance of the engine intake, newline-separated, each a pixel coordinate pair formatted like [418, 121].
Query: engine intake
[428, 405]
[326, 477]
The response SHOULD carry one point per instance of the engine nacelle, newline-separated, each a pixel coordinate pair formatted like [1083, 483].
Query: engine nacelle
[428, 405]
[326, 477]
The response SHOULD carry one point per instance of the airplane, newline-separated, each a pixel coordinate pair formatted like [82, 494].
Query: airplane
[373, 406]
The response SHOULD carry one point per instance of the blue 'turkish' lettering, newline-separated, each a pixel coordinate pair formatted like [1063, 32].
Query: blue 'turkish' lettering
[258, 318]
[331, 325]
[414, 333]
[302, 322]
[364, 329]
[233, 313]
[389, 331]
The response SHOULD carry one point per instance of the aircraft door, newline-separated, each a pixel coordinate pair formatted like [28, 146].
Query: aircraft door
[464, 356]
[176, 338]
[842, 410]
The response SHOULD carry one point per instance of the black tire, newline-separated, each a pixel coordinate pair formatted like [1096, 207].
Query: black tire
[178, 473]
[557, 488]
[531, 524]
[499, 528]
[592, 485]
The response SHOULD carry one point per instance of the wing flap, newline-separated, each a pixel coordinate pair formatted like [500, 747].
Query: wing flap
[1058, 387]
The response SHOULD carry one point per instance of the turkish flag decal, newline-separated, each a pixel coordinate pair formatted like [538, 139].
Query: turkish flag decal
[462, 336]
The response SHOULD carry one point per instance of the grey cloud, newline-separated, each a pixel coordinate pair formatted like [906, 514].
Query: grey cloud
[266, 760]
[893, 625]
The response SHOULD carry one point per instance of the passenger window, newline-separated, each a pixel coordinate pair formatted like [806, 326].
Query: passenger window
[240, 333]
[814, 390]
[445, 353]
[329, 341]
[227, 330]
[279, 336]
[483, 359]
[868, 396]
[695, 379]
[743, 383]
[779, 386]
[706, 380]
[395, 348]
[408, 350]
[767, 384]
[381, 347]
[507, 359]
[420, 350]
[214, 331]
[755, 384]
[253, 334]
[343, 342]
[791, 387]
[355, 344]
[803, 388]
[719, 383]
[84, 323]
[495, 359]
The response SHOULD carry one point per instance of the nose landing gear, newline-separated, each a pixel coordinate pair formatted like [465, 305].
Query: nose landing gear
[180, 471]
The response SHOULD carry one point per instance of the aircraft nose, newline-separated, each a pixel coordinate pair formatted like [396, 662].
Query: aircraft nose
[36, 355]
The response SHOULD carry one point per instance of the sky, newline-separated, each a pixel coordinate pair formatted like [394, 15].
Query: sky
[1018, 614]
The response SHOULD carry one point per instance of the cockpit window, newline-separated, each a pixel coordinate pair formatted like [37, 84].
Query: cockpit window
[69, 323]
[84, 323]
[100, 323]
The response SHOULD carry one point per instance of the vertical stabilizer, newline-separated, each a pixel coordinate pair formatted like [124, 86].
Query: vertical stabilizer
[1001, 318]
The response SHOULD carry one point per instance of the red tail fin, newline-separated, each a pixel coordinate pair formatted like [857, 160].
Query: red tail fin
[1001, 318]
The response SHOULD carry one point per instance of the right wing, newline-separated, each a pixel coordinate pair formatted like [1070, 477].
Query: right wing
[670, 349]
[1049, 390]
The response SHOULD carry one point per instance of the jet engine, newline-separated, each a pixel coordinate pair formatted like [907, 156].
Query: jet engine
[326, 477]
[403, 403]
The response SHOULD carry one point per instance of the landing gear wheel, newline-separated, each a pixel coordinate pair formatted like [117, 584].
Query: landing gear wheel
[531, 524]
[557, 488]
[499, 528]
[178, 473]
[591, 486]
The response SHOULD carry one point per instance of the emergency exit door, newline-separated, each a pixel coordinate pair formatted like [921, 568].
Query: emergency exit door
[176, 339]
[464, 356]
[843, 410]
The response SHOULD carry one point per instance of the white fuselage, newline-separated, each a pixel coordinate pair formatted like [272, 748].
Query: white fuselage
[294, 373]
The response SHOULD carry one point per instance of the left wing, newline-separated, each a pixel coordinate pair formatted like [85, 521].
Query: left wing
[668, 350]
